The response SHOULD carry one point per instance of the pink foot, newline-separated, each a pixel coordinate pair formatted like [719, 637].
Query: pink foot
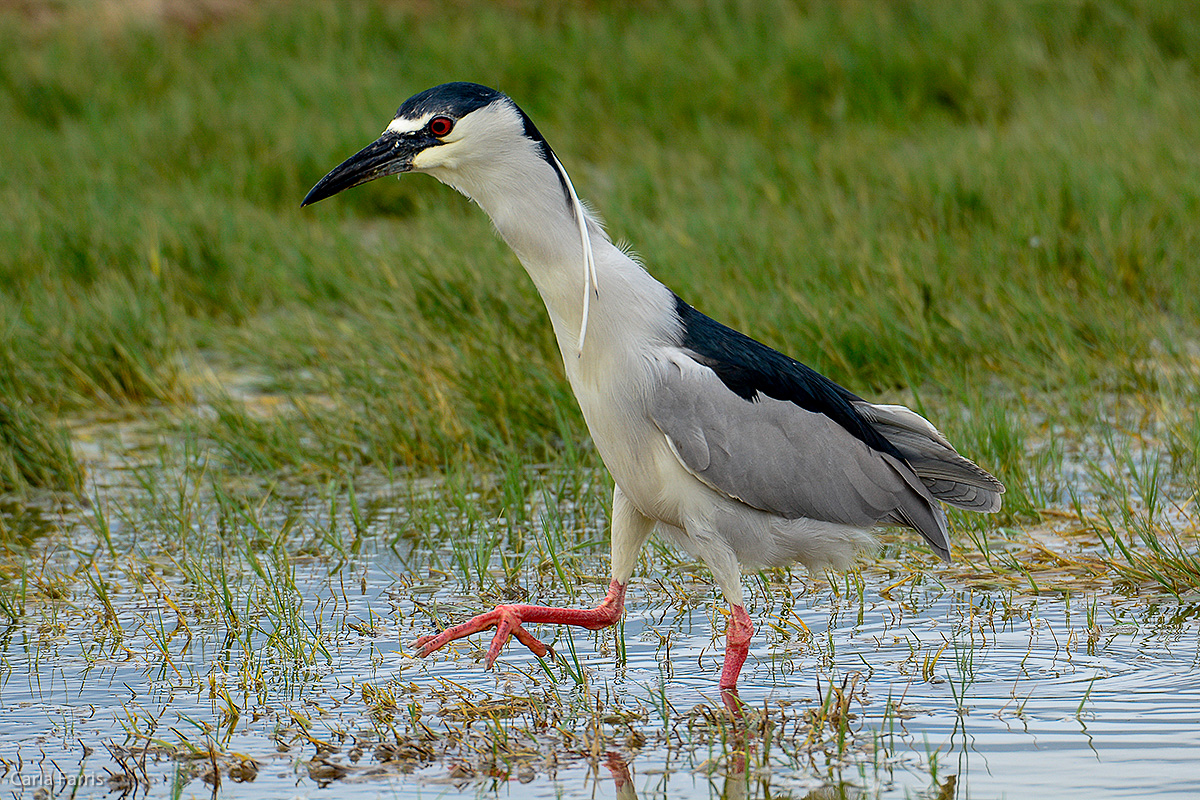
[508, 620]
[737, 647]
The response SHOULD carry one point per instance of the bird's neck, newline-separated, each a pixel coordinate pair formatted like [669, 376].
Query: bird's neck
[530, 209]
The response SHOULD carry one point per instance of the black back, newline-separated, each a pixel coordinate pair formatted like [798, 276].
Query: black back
[748, 367]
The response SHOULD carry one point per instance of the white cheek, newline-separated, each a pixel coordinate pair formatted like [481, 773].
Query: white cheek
[439, 156]
[428, 159]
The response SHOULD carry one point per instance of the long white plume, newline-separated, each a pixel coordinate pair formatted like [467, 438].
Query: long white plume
[590, 281]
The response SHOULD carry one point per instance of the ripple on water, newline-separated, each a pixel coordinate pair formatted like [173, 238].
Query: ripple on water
[1018, 696]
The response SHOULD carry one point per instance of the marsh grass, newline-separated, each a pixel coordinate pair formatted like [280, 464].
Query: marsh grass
[872, 190]
[35, 454]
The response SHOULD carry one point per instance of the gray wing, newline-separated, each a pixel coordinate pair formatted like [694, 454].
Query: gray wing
[777, 457]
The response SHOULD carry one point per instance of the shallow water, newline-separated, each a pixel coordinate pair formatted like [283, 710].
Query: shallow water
[125, 673]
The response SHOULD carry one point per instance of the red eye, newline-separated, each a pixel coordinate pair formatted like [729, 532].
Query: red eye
[440, 126]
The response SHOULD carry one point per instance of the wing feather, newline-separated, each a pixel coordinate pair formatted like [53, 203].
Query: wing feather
[777, 457]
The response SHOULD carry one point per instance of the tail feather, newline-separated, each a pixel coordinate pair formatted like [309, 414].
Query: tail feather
[948, 476]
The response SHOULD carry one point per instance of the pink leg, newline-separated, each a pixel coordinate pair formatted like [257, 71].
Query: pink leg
[620, 775]
[508, 621]
[737, 647]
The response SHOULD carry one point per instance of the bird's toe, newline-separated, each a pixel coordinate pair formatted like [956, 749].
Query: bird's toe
[508, 622]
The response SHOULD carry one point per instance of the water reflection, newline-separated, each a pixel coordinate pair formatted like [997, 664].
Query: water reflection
[735, 782]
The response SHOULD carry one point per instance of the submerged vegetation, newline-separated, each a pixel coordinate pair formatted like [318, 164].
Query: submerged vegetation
[221, 416]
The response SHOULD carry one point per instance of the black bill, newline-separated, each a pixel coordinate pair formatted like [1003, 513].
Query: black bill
[390, 154]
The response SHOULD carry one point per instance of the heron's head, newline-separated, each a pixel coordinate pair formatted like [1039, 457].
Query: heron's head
[478, 141]
[457, 132]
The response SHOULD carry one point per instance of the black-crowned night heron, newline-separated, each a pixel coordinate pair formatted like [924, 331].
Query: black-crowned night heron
[735, 452]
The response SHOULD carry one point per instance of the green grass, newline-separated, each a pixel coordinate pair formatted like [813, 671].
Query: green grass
[34, 453]
[989, 210]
